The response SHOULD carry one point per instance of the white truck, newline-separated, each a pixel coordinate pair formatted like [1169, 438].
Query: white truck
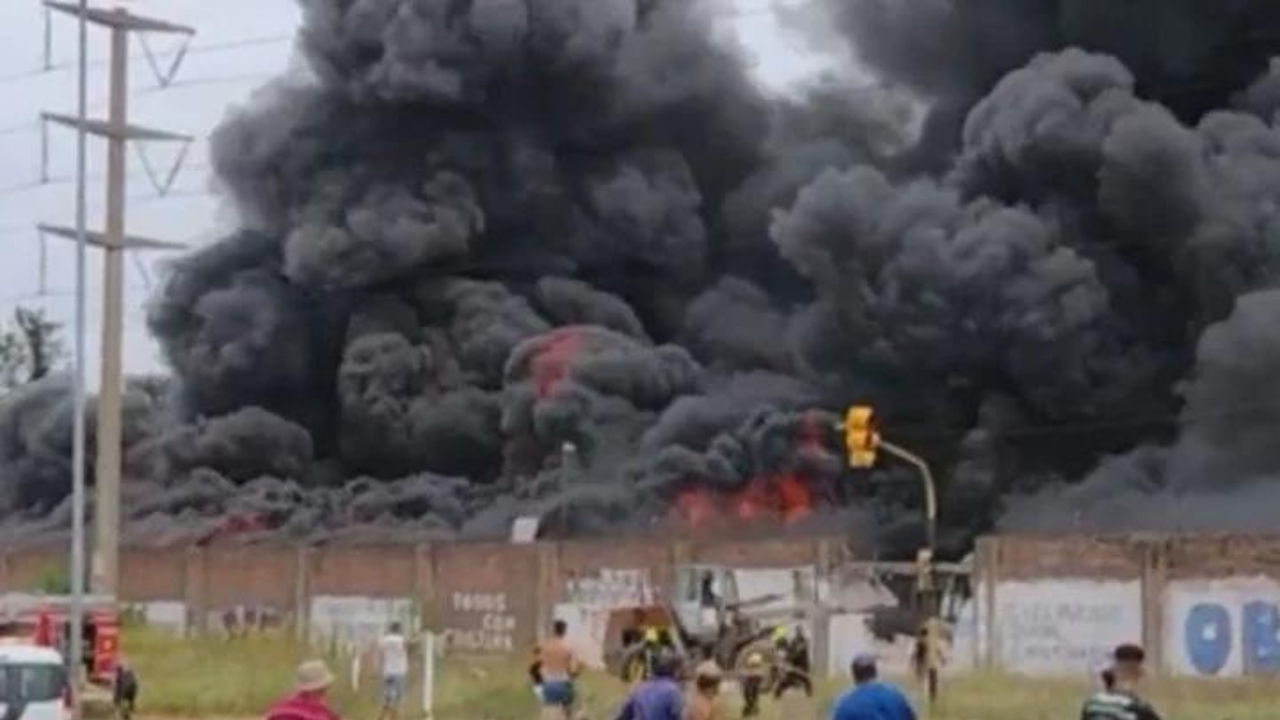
[33, 683]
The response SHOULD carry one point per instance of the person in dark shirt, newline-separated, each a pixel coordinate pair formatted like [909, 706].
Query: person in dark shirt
[1120, 700]
[794, 663]
[124, 690]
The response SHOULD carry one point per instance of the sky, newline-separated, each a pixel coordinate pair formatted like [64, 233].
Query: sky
[238, 46]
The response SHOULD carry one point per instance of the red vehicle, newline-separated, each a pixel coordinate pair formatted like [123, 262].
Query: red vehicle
[46, 620]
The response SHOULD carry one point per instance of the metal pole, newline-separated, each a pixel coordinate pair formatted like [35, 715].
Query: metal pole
[928, 582]
[48, 37]
[428, 675]
[107, 509]
[76, 641]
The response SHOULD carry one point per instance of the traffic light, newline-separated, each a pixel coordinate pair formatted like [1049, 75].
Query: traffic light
[860, 436]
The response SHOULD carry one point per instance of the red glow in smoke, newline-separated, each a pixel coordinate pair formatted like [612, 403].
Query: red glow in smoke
[549, 365]
[809, 437]
[780, 497]
[236, 525]
[697, 508]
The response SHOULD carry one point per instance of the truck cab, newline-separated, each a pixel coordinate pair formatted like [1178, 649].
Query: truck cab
[33, 682]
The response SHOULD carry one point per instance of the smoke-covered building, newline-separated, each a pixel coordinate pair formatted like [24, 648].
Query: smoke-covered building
[565, 258]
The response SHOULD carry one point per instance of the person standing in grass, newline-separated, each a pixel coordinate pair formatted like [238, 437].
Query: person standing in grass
[393, 662]
[706, 689]
[309, 698]
[1120, 700]
[124, 689]
[871, 699]
[557, 667]
[752, 683]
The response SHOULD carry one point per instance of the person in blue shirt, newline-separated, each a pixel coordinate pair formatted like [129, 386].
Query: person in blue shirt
[871, 699]
[659, 697]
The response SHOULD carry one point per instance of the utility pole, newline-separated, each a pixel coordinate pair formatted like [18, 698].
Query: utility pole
[118, 133]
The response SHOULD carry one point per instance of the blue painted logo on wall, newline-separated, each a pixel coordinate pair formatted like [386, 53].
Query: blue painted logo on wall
[1210, 639]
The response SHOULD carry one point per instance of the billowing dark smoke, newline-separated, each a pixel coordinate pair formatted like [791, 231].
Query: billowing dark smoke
[564, 258]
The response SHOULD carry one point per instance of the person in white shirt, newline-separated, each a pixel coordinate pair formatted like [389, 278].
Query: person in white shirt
[393, 656]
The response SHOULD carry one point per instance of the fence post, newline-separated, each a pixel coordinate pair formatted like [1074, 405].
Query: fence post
[1155, 561]
[428, 674]
[424, 584]
[302, 594]
[821, 612]
[547, 591]
[194, 571]
[988, 566]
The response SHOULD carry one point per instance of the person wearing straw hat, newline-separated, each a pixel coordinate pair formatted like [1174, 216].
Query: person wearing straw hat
[308, 701]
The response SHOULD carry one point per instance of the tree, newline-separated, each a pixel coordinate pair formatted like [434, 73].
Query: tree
[30, 347]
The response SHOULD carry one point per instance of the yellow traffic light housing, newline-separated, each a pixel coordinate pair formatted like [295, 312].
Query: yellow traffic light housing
[860, 436]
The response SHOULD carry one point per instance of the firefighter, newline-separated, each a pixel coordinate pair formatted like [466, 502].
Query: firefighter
[753, 684]
[639, 660]
[777, 655]
[794, 661]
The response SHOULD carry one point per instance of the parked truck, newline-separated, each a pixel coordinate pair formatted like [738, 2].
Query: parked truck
[45, 620]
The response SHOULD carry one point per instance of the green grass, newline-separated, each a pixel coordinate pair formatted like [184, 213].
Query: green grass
[219, 678]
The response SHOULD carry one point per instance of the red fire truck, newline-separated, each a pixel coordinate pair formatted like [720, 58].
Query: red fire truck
[46, 620]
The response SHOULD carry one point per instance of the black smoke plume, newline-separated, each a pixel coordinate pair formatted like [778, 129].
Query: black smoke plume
[565, 258]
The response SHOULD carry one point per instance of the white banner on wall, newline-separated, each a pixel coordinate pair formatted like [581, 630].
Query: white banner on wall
[1064, 626]
[357, 620]
[167, 615]
[1222, 628]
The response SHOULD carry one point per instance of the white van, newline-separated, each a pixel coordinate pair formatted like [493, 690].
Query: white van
[33, 683]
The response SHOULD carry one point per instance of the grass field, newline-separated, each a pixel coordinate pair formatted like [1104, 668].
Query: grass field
[237, 679]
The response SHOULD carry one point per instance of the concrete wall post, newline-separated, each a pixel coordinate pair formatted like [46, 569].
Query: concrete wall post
[194, 579]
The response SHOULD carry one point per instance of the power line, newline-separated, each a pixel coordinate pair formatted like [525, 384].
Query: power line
[195, 49]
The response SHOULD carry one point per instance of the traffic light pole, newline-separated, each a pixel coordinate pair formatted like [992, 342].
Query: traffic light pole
[863, 441]
[930, 490]
[927, 581]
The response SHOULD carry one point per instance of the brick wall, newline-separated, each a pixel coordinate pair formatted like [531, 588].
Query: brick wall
[487, 592]
[498, 596]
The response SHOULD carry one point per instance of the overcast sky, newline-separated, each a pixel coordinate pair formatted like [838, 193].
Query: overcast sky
[239, 45]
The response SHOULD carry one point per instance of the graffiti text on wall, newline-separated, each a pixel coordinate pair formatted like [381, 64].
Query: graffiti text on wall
[610, 587]
[1050, 627]
[483, 622]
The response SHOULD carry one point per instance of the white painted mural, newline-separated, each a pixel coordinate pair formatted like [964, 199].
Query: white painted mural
[1222, 628]
[1064, 626]
[359, 621]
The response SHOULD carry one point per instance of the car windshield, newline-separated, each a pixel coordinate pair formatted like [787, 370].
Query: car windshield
[30, 683]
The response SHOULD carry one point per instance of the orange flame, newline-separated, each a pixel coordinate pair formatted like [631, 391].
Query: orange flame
[781, 497]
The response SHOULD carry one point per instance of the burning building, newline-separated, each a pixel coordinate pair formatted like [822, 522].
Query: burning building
[478, 232]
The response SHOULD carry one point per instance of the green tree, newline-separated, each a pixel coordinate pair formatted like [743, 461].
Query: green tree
[53, 580]
[30, 347]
